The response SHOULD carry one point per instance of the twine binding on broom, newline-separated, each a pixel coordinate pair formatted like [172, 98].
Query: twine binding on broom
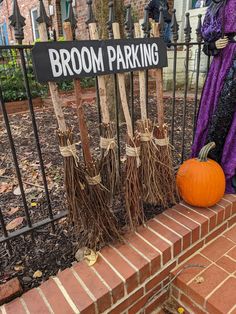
[134, 152]
[162, 141]
[107, 144]
[69, 151]
[146, 137]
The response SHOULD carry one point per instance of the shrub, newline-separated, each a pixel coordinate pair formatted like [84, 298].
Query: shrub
[12, 79]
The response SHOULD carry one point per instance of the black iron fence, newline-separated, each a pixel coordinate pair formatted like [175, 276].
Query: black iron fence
[17, 81]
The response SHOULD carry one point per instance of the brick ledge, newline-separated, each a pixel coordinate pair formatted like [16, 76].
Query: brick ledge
[129, 277]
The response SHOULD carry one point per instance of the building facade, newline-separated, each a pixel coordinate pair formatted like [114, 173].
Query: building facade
[57, 10]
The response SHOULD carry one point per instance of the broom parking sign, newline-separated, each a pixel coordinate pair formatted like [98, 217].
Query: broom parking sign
[56, 61]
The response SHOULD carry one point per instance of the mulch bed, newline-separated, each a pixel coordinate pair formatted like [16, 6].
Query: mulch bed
[46, 251]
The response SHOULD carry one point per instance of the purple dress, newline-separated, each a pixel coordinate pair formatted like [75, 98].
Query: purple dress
[219, 76]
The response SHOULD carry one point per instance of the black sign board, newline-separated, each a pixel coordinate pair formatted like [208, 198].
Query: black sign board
[56, 61]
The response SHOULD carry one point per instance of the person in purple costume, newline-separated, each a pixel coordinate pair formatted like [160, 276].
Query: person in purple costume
[217, 114]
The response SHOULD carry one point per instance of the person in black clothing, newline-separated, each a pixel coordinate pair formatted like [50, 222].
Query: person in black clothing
[154, 7]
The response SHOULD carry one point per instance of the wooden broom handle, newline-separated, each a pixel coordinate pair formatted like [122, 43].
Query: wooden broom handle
[93, 31]
[142, 81]
[56, 101]
[81, 116]
[159, 84]
[122, 89]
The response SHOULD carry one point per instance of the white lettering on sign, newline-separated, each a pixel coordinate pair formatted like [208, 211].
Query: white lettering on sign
[74, 61]
[55, 62]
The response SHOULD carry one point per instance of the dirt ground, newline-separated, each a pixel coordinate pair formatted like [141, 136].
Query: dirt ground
[48, 252]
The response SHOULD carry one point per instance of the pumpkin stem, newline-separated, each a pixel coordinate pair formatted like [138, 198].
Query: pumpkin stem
[205, 151]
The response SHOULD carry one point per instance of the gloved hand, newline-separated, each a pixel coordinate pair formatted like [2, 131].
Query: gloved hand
[222, 43]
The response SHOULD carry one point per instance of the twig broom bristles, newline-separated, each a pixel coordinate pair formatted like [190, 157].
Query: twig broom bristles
[99, 224]
[165, 163]
[133, 194]
[110, 167]
[150, 177]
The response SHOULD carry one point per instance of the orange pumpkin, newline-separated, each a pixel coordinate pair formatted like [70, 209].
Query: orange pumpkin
[201, 181]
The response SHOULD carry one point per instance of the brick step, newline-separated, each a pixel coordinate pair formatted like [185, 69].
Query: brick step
[209, 285]
[130, 277]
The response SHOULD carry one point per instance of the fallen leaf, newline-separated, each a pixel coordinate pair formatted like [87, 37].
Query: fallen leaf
[18, 268]
[91, 257]
[14, 223]
[199, 280]
[37, 274]
[181, 310]
[5, 187]
[13, 210]
[17, 191]
[34, 204]
[2, 171]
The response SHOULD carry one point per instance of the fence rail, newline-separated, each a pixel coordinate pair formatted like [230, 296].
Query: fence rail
[16, 60]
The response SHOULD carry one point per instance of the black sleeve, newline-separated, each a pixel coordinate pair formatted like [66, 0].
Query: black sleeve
[210, 49]
[150, 7]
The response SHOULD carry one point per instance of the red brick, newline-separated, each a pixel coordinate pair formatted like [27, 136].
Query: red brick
[212, 276]
[216, 233]
[231, 234]
[55, 297]
[223, 299]
[191, 251]
[185, 301]
[184, 232]
[217, 248]
[220, 212]
[175, 292]
[227, 264]
[232, 254]
[144, 301]
[150, 308]
[81, 299]
[147, 250]
[94, 284]
[187, 211]
[232, 221]
[167, 234]
[232, 200]
[157, 242]
[111, 278]
[128, 302]
[122, 267]
[137, 260]
[35, 303]
[10, 290]
[227, 207]
[189, 273]
[160, 277]
[193, 226]
[15, 307]
[211, 215]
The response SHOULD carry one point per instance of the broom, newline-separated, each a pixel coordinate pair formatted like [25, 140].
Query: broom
[110, 167]
[99, 223]
[65, 135]
[150, 177]
[133, 193]
[165, 163]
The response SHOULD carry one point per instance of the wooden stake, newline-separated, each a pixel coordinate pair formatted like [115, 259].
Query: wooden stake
[121, 83]
[142, 81]
[82, 124]
[159, 85]
[56, 101]
[93, 31]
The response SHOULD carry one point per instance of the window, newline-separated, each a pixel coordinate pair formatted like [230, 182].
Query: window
[3, 34]
[34, 16]
[200, 3]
